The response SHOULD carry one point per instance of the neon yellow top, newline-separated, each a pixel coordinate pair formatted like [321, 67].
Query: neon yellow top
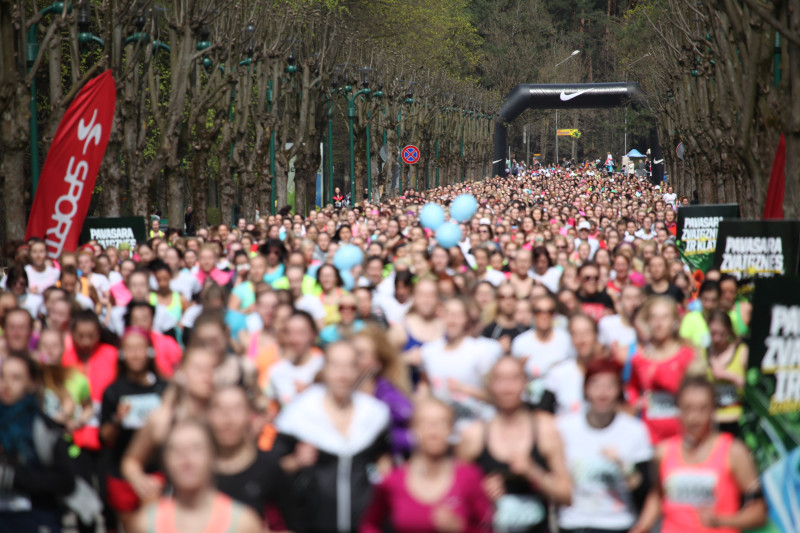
[729, 406]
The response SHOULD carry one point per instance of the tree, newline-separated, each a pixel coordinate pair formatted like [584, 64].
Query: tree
[711, 79]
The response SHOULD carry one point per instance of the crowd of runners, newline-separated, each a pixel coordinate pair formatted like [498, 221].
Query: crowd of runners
[560, 369]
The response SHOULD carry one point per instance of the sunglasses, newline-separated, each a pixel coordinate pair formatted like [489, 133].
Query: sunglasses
[506, 297]
[544, 312]
[591, 278]
[347, 308]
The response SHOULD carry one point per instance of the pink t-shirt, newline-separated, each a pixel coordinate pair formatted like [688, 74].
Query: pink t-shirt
[122, 296]
[393, 501]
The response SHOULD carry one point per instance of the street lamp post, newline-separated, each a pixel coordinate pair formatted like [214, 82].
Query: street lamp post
[365, 72]
[270, 98]
[31, 53]
[408, 101]
[573, 54]
[351, 115]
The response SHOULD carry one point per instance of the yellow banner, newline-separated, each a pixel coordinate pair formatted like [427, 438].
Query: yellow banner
[569, 133]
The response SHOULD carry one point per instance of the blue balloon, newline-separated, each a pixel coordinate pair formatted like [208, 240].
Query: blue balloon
[431, 216]
[348, 280]
[463, 207]
[448, 235]
[347, 257]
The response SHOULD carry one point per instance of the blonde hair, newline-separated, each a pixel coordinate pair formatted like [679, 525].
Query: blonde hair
[393, 368]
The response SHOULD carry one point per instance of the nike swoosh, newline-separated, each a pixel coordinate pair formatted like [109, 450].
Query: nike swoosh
[565, 97]
[658, 161]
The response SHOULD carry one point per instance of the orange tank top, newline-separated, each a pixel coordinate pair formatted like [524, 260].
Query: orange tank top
[224, 515]
[690, 487]
[264, 358]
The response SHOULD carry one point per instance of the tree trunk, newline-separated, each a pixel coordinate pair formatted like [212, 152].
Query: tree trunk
[250, 197]
[200, 188]
[174, 179]
[280, 181]
[791, 200]
[111, 180]
[14, 132]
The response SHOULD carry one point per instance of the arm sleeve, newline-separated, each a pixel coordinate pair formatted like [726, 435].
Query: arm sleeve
[109, 406]
[646, 469]
[58, 479]
[377, 513]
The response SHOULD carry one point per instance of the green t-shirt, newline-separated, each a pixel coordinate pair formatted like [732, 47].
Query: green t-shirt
[244, 291]
[695, 330]
[77, 386]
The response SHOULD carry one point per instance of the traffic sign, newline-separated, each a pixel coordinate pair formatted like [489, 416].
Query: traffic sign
[410, 154]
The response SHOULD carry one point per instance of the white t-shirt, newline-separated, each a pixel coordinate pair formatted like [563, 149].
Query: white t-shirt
[600, 497]
[669, 198]
[285, 376]
[41, 280]
[100, 283]
[550, 278]
[611, 330]
[186, 284]
[565, 381]
[467, 364]
[541, 357]
[386, 287]
[594, 245]
[33, 304]
[254, 323]
[84, 301]
[393, 310]
[494, 277]
[114, 277]
[641, 234]
[311, 305]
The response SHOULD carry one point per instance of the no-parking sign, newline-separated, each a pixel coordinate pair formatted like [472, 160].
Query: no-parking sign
[410, 154]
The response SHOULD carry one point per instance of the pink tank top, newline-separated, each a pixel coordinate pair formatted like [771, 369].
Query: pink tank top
[224, 515]
[691, 487]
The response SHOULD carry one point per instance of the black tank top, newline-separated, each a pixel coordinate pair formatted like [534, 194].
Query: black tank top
[522, 509]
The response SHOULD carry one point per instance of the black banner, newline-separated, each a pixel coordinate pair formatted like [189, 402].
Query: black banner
[771, 421]
[113, 231]
[697, 232]
[751, 249]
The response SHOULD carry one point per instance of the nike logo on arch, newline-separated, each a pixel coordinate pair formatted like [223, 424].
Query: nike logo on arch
[565, 97]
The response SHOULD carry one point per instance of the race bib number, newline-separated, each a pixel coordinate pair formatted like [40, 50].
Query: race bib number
[693, 488]
[661, 405]
[727, 394]
[141, 407]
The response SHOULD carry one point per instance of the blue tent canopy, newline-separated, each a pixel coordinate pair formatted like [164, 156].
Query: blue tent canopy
[635, 154]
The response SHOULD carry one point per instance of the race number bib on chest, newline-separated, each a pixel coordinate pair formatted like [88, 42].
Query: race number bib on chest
[695, 488]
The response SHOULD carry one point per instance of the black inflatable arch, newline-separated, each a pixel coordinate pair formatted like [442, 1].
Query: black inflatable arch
[567, 96]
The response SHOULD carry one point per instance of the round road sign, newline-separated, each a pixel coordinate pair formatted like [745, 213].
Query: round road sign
[410, 154]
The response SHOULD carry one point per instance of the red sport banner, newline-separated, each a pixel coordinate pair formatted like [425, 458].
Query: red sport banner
[70, 169]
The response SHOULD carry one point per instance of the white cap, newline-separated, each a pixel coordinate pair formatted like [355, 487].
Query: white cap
[584, 225]
[486, 221]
